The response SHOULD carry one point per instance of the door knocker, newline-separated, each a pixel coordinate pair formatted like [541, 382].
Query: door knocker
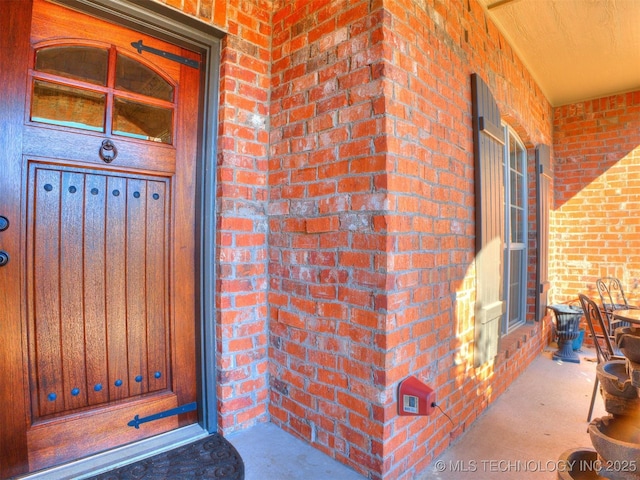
[108, 151]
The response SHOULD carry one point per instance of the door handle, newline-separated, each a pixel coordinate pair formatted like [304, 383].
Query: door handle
[108, 151]
[4, 256]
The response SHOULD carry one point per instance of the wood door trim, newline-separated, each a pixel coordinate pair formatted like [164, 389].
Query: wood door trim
[121, 456]
[164, 22]
[15, 24]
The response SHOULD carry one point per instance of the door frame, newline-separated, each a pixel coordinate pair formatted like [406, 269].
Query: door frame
[180, 29]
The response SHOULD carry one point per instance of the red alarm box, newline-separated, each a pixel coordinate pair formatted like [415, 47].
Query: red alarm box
[415, 397]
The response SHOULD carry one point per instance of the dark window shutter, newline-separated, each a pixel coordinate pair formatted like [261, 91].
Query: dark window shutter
[488, 149]
[543, 164]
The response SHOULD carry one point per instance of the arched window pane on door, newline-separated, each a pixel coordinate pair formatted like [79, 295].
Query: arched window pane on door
[133, 76]
[85, 87]
[515, 272]
[88, 64]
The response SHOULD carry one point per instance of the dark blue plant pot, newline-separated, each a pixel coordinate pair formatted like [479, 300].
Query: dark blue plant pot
[577, 343]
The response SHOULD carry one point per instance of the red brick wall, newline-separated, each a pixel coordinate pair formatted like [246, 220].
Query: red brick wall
[371, 227]
[242, 282]
[597, 195]
[209, 11]
[346, 220]
[242, 194]
[328, 239]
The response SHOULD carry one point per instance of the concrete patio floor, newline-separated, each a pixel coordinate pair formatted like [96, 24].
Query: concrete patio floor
[521, 435]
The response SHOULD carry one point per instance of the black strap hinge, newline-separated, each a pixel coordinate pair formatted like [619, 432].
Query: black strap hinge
[189, 407]
[169, 56]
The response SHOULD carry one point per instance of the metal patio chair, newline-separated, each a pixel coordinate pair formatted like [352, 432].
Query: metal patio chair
[605, 350]
[612, 298]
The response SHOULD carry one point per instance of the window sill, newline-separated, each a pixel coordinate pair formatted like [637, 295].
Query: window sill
[512, 342]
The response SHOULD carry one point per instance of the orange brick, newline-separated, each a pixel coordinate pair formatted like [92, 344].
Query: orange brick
[322, 224]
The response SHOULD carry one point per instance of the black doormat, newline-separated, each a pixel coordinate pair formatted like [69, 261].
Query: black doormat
[212, 458]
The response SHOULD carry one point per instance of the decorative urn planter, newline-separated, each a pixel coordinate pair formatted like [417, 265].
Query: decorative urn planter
[578, 464]
[615, 380]
[628, 341]
[617, 441]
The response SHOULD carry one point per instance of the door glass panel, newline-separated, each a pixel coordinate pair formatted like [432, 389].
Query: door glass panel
[88, 64]
[135, 77]
[134, 119]
[68, 106]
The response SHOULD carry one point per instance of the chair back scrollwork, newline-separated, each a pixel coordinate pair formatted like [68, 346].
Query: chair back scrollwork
[612, 298]
[611, 293]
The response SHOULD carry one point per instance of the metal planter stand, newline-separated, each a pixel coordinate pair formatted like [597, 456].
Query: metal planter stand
[568, 329]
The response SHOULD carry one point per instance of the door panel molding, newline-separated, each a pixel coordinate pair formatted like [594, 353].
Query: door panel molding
[118, 259]
[44, 445]
[47, 141]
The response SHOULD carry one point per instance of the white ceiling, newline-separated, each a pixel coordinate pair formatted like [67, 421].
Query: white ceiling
[575, 49]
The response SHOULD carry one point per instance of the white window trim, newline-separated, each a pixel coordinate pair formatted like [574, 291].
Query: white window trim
[510, 246]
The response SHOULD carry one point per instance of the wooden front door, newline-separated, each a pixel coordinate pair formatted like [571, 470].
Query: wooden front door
[102, 269]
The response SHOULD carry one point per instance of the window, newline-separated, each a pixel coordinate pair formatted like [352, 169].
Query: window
[80, 87]
[502, 189]
[515, 231]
